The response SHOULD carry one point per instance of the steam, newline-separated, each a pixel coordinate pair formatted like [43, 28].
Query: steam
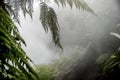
[78, 30]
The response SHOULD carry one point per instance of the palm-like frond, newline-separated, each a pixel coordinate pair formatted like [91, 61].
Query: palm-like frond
[48, 16]
[49, 20]
[13, 60]
[12, 7]
[80, 4]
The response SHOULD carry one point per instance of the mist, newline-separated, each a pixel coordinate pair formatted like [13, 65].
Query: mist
[78, 30]
[76, 27]
[89, 31]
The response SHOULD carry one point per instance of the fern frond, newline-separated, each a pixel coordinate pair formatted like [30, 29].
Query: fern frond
[80, 4]
[49, 21]
[13, 60]
[12, 7]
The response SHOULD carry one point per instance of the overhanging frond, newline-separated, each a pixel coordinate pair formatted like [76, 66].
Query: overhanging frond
[12, 7]
[49, 21]
[13, 60]
[80, 4]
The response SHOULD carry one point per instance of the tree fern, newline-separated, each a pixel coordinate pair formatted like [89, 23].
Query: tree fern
[12, 7]
[49, 20]
[13, 60]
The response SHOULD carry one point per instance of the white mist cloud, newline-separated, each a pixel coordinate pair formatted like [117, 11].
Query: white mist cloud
[76, 28]
[36, 39]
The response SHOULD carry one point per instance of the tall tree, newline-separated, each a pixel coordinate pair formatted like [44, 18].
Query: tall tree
[14, 62]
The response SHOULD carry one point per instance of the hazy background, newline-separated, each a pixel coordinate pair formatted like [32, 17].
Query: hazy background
[78, 28]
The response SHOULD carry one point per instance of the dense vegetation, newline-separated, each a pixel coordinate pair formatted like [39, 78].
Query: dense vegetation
[109, 64]
[52, 70]
[13, 59]
[14, 62]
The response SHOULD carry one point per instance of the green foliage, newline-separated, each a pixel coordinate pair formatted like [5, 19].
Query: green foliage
[65, 61]
[13, 60]
[50, 71]
[49, 20]
[110, 67]
[48, 16]
[46, 72]
[80, 4]
[12, 7]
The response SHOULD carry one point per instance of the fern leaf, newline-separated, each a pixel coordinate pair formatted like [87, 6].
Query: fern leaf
[48, 19]
[11, 53]
[79, 4]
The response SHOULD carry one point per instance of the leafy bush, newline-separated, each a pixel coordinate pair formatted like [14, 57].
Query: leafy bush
[45, 72]
[110, 67]
[50, 71]
[13, 60]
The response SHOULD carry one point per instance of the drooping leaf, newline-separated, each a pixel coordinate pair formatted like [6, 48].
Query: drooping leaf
[49, 21]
